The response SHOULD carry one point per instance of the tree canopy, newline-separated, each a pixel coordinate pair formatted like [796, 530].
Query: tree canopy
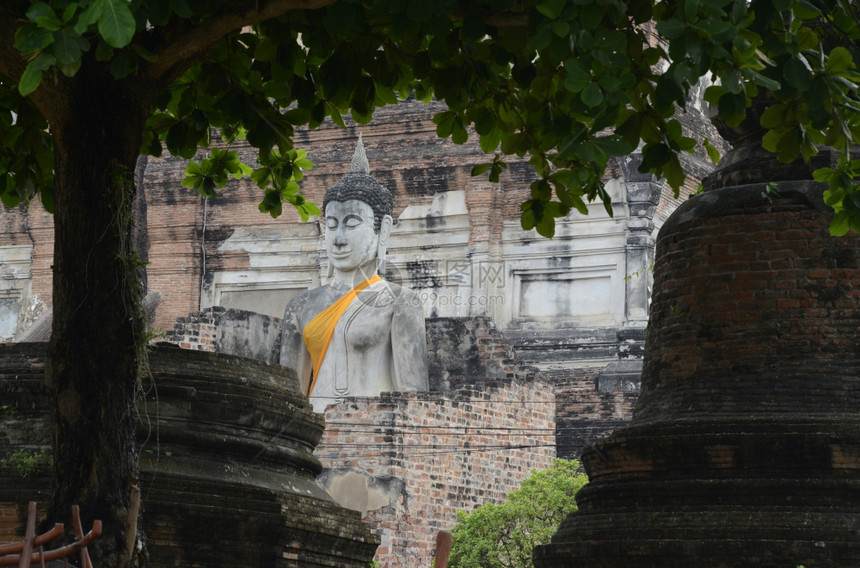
[504, 535]
[567, 83]
[86, 86]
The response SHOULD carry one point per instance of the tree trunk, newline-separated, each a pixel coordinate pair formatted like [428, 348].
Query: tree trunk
[98, 331]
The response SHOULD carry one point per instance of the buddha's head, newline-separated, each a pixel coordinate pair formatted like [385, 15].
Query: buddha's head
[357, 216]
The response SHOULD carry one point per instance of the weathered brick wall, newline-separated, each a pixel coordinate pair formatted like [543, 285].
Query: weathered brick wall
[32, 226]
[469, 350]
[24, 425]
[760, 287]
[583, 414]
[449, 451]
[197, 330]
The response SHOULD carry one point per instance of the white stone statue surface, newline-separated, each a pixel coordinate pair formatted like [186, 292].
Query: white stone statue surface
[358, 335]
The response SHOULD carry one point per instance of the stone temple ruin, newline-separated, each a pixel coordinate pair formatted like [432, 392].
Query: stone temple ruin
[228, 473]
[540, 339]
[744, 448]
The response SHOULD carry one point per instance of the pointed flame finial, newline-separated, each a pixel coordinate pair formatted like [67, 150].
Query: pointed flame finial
[359, 159]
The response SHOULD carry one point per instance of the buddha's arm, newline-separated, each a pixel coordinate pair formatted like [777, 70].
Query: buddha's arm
[294, 354]
[409, 344]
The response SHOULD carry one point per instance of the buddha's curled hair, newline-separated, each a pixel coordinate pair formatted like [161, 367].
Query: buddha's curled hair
[360, 185]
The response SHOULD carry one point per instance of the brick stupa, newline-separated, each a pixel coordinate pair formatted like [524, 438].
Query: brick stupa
[744, 449]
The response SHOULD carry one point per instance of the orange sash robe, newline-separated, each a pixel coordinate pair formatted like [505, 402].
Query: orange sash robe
[319, 331]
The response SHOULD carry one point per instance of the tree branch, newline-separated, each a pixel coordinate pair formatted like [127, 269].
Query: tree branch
[175, 56]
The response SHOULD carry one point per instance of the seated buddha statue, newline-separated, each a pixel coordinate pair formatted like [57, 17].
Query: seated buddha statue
[357, 335]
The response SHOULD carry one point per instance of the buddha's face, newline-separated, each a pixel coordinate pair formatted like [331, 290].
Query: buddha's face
[350, 240]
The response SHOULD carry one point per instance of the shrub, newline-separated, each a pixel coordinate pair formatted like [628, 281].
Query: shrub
[504, 535]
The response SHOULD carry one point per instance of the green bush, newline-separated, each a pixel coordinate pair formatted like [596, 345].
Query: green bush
[504, 535]
[27, 462]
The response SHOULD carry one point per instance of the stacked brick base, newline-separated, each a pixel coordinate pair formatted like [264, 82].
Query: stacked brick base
[745, 444]
[431, 454]
[228, 474]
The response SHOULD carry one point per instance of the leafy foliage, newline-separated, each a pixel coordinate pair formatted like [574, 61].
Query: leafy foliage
[504, 535]
[26, 462]
[568, 83]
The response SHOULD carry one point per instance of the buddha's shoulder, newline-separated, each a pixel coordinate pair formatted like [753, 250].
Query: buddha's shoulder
[314, 300]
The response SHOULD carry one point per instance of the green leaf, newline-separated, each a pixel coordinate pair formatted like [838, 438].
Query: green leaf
[483, 118]
[610, 83]
[838, 61]
[560, 28]
[764, 80]
[459, 135]
[797, 73]
[490, 141]
[671, 29]
[545, 226]
[713, 94]
[69, 12]
[291, 190]
[10, 200]
[69, 69]
[444, 123]
[69, 46]
[590, 152]
[552, 9]
[614, 145]
[306, 210]
[840, 224]
[30, 38]
[674, 173]
[43, 16]
[732, 108]
[804, 10]
[541, 190]
[90, 16]
[788, 146]
[481, 168]
[654, 156]
[577, 77]
[116, 24]
[335, 115]
[262, 177]
[592, 95]
[577, 202]
[712, 151]
[46, 196]
[774, 116]
[527, 220]
[541, 39]
[182, 140]
[807, 39]
[823, 174]
[496, 170]
[771, 139]
[32, 75]
[271, 204]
